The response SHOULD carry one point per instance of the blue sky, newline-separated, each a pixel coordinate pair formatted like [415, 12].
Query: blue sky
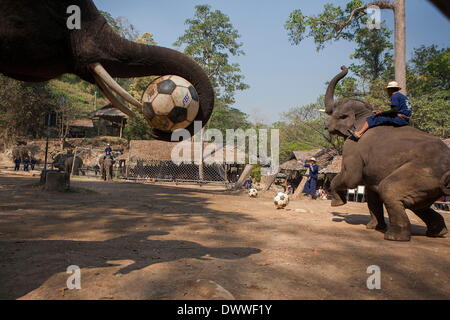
[281, 76]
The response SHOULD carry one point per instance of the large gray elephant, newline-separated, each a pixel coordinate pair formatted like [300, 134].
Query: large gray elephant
[402, 168]
[106, 167]
[37, 45]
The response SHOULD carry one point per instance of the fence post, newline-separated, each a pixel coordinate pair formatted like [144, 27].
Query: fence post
[201, 172]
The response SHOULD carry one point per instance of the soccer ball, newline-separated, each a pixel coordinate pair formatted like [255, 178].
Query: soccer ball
[253, 193]
[170, 103]
[281, 200]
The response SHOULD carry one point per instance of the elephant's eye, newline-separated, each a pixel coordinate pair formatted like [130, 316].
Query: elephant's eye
[344, 116]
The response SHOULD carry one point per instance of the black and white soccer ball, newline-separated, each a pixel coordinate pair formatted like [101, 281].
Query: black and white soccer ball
[281, 200]
[170, 103]
[253, 193]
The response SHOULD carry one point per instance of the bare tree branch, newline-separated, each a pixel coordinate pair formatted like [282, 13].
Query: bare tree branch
[357, 13]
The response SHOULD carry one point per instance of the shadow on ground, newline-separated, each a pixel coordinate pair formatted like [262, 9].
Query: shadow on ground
[116, 222]
[360, 219]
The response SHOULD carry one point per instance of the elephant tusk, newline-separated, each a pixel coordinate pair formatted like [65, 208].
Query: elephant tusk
[322, 110]
[98, 70]
[111, 97]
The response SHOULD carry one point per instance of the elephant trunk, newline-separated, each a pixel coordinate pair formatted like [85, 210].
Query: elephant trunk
[329, 96]
[122, 58]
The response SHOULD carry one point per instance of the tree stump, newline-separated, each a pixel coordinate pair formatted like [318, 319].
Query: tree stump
[55, 181]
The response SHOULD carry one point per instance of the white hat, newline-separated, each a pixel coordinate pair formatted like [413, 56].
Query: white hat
[393, 85]
[313, 159]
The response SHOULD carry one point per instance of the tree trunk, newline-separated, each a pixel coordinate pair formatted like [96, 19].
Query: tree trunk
[400, 44]
[55, 181]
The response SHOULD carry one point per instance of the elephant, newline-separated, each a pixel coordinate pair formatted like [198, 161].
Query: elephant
[38, 44]
[401, 167]
[443, 6]
[106, 167]
[66, 162]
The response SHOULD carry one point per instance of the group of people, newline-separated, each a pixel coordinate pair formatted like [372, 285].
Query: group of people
[27, 164]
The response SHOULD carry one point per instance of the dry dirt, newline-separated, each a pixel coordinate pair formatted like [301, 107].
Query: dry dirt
[135, 241]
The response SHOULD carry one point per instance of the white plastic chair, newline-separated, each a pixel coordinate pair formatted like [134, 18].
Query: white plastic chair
[361, 191]
[351, 192]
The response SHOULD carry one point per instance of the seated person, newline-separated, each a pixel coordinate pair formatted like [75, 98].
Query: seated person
[398, 116]
[108, 151]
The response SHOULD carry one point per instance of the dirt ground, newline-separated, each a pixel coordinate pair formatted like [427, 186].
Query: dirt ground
[135, 241]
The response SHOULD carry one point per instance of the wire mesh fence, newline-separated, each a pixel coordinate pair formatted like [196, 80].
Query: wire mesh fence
[167, 171]
[91, 163]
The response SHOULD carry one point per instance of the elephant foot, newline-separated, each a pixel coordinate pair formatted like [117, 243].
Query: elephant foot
[398, 234]
[338, 202]
[437, 232]
[374, 225]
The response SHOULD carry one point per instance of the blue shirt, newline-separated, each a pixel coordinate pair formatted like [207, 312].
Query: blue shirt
[400, 104]
[108, 151]
[314, 170]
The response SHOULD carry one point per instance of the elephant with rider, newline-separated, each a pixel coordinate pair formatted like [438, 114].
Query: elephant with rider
[401, 167]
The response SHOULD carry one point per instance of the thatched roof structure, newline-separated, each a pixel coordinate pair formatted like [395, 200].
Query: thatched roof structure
[108, 111]
[298, 159]
[154, 150]
[84, 123]
[334, 167]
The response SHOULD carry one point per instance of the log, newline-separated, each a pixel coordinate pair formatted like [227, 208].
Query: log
[55, 181]
[298, 194]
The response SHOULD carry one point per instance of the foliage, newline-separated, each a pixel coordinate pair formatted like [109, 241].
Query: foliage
[326, 26]
[121, 25]
[374, 51]
[210, 39]
[137, 129]
[226, 117]
[22, 108]
[429, 89]
[303, 128]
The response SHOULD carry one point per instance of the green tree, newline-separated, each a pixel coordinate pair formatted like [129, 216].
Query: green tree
[211, 39]
[429, 79]
[23, 107]
[303, 128]
[336, 23]
[226, 117]
[374, 53]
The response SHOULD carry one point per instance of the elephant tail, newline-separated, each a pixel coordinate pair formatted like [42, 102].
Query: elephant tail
[445, 183]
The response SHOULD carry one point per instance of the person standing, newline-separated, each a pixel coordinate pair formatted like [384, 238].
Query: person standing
[313, 173]
[26, 164]
[32, 163]
[17, 162]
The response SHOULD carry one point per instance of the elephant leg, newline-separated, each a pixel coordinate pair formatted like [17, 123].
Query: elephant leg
[435, 222]
[393, 190]
[376, 211]
[337, 192]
